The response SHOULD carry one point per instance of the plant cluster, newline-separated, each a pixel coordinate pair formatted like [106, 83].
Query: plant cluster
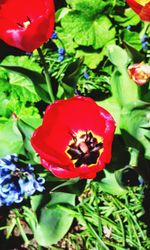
[74, 124]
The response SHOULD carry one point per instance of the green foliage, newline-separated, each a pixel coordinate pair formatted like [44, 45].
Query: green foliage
[54, 222]
[132, 38]
[95, 33]
[115, 188]
[120, 81]
[129, 18]
[10, 137]
[26, 84]
[135, 124]
[71, 76]
[101, 39]
[106, 221]
[86, 28]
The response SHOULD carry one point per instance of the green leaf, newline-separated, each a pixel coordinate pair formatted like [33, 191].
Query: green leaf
[4, 81]
[112, 106]
[135, 126]
[4, 102]
[28, 120]
[54, 221]
[133, 39]
[130, 18]
[91, 57]
[22, 61]
[88, 32]
[10, 137]
[117, 56]
[124, 90]
[90, 5]
[21, 86]
[68, 42]
[25, 83]
[134, 54]
[72, 72]
[110, 184]
[71, 76]
[30, 116]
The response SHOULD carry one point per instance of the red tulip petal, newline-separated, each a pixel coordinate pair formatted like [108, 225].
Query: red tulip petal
[143, 10]
[135, 6]
[29, 26]
[83, 172]
[145, 13]
[66, 120]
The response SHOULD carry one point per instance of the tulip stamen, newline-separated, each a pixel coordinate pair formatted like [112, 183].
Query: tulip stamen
[20, 25]
[25, 24]
[85, 148]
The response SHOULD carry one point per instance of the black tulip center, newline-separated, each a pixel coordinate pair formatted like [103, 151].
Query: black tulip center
[85, 149]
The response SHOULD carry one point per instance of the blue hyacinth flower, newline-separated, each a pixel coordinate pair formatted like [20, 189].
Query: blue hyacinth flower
[17, 180]
[54, 35]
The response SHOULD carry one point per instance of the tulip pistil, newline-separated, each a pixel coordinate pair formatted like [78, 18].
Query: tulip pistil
[85, 148]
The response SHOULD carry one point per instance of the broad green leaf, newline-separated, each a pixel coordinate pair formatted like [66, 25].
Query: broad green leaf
[30, 116]
[72, 72]
[4, 81]
[61, 13]
[54, 221]
[112, 106]
[28, 120]
[27, 132]
[26, 80]
[135, 126]
[91, 7]
[69, 44]
[133, 53]
[91, 58]
[130, 18]
[10, 137]
[21, 85]
[4, 102]
[117, 56]
[133, 39]
[123, 88]
[21, 61]
[110, 184]
[71, 76]
[88, 31]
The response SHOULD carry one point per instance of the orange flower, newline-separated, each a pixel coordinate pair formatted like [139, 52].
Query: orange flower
[141, 7]
[140, 73]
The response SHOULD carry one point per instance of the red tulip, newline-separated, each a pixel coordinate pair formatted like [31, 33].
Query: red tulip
[26, 24]
[75, 138]
[141, 7]
[140, 73]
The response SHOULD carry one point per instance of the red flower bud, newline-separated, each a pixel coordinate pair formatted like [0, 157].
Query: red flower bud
[26, 24]
[75, 138]
[140, 73]
[141, 7]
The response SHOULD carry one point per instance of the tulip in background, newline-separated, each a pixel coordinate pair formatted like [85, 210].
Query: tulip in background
[75, 138]
[140, 73]
[141, 7]
[26, 24]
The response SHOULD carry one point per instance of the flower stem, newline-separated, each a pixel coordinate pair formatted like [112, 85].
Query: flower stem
[26, 241]
[47, 77]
